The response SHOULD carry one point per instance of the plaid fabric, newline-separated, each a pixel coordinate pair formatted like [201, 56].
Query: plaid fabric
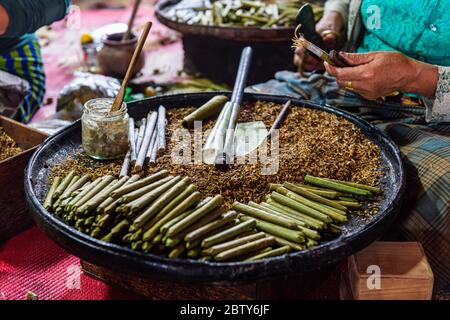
[426, 153]
[26, 63]
[426, 213]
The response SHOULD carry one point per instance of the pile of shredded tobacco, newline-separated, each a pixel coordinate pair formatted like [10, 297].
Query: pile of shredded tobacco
[311, 142]
[8, 147]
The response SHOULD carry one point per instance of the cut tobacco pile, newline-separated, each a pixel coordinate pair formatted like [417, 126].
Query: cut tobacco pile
[167, 215]
[8, 147]
[311, 142]
[195, 211]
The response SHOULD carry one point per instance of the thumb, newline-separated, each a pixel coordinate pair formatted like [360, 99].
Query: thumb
[356, 59]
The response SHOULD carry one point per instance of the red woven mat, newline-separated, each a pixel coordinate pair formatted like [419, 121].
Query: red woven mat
[33, 262]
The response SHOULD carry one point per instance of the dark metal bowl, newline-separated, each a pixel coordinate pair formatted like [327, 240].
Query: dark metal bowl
[357, 233]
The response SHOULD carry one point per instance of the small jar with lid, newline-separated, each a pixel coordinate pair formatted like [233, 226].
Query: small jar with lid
[104, 132]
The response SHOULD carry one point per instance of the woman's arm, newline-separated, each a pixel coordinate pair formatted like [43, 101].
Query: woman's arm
[19, 17]
[378, 74]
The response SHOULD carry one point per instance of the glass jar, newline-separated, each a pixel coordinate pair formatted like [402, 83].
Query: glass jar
[104, 133]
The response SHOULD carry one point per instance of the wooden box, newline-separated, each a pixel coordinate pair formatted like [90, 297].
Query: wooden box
[14, 216]
[402, 267]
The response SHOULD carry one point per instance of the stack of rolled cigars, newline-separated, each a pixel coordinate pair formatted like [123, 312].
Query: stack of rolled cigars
[146, 141]
[166, 215]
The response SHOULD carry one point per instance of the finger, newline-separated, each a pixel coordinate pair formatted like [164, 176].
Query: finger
[346, 74]
[356, 59]
[329, 40]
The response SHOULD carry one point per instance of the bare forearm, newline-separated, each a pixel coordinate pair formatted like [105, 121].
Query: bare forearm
[424, 80]
[4, 20]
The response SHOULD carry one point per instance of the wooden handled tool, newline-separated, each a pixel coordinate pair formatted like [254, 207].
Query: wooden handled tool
[119, 98]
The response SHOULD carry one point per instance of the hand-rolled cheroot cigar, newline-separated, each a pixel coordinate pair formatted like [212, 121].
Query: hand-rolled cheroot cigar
[162, 121]
[139, 184]
[223, 220]
[63, 185]
[133, 195]
[229, 233]
[149, 197]
[214, 250]
[245, 249]
[300, 207]
[113, 202]
[271, 253]
[152, 148]
[150, 127]
[132, 139]
[126, 164]
[263, 215]
[312, 196]
[338, 186]
[275, 230]
[208, 110]
[196, 215]
[310, 233]
[49, 199]
[140, 136]
[335, 214]
[160, 202]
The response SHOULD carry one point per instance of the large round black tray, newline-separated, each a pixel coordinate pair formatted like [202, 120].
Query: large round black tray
[357, 233]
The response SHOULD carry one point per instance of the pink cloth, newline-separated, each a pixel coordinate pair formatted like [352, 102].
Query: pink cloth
[62, 56]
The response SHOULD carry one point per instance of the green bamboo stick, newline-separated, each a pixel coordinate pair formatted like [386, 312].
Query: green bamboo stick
[314, 197]
[49, 199]
[229, 233]
[196, 215]
[300, 207]
[271, 253]
[336, 186]
[263, 215]
[138, 184]
[197, 242]
[273, 229]
[245, 249]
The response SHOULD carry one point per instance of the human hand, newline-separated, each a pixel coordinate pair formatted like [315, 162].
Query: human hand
[379, 74]
[329, 27]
